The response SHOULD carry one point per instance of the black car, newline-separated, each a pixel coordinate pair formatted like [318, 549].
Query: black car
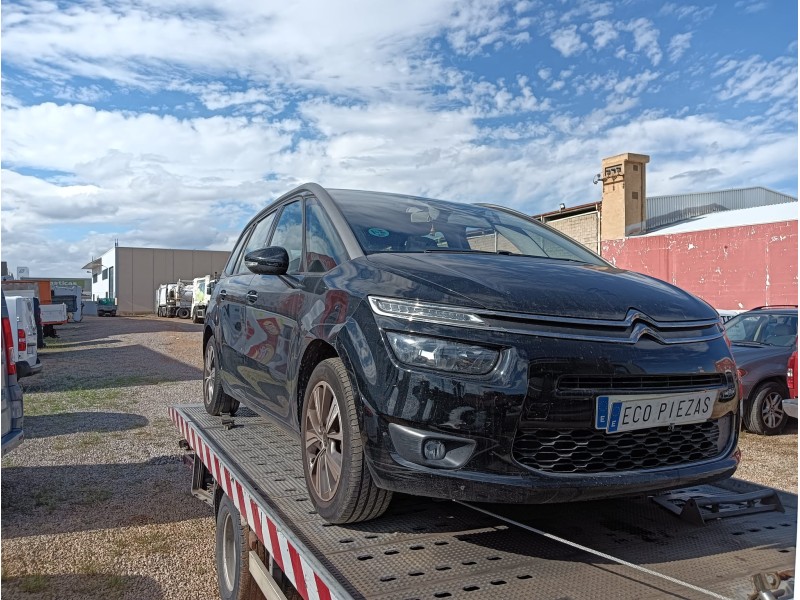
[763, 340]
[466, 352]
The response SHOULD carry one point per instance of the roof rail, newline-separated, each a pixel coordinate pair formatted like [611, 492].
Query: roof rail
[775, 306]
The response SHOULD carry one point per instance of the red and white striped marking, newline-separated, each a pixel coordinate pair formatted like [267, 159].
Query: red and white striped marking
[292, 563]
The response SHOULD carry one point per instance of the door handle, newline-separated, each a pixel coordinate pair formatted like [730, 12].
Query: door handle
[252, 296]
[222, 294]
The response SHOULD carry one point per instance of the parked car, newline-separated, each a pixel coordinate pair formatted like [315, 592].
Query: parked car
[763, 339]
[25, 335]
[11, 418]
[466, 352]
[790, 403]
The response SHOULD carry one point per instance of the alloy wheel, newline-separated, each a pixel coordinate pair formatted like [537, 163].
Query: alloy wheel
[772, 410]
[323, 440]
[209, 373]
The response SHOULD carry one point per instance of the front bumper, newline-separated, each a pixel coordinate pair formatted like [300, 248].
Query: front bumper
[530, 488]
[526, 396]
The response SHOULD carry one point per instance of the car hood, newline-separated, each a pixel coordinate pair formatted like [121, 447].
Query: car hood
[748, 355]
[544, 286]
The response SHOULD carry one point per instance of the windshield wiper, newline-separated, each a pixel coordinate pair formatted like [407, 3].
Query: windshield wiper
[470, 251]
[748, 343]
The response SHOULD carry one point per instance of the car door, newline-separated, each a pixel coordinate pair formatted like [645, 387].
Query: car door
[273, 303]
[231, 297]
[287, 309]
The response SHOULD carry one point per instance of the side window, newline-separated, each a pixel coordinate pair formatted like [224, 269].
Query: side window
[289, 234]
[230, 266]
[258, 239]
[324, 248]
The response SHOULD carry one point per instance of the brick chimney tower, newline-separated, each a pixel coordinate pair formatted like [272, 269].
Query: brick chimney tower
[624, 184]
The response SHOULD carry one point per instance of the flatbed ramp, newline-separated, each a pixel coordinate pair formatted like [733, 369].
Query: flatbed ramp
[425, 549]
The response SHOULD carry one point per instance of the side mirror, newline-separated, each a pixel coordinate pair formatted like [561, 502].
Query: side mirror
[273, 260]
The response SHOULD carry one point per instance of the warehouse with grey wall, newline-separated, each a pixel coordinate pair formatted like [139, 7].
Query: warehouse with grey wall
[137, 272]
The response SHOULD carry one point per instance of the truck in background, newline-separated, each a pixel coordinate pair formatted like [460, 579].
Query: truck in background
[52, 313]
[183, 299]
[165, 300]
[69, 295]
[107, 307]
[174, 299]
[202, 288]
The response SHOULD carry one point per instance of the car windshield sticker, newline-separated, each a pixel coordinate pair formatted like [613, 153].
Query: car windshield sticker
[378, 232]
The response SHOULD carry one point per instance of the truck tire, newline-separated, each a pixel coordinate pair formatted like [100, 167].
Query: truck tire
[183, 313]
[766, 415]
[233, 572]
[337, 477]
[215, 400]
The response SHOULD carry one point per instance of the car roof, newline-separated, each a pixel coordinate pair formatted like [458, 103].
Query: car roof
[778, 308]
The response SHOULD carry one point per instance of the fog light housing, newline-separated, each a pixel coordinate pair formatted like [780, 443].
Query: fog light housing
[434, 450]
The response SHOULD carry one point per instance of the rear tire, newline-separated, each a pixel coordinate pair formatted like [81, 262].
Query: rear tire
[337, 477]
[215, 400]
[233, 566]
[183, 313]
[766, 415]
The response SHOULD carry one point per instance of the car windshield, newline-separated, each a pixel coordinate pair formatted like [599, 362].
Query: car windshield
[396, 223]
[763, 329]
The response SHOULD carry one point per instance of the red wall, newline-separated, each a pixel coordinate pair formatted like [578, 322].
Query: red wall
[732, 268]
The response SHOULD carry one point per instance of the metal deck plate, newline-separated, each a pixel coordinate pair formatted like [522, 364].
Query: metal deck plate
[429, 549]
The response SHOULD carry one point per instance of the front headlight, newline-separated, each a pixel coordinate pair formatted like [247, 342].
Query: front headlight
[424, 311]
[443, 355]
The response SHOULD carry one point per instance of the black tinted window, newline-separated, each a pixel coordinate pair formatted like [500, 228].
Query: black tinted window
[230, 267]
[258, 239]
[395, 223]
[324, 248]
[289, 234]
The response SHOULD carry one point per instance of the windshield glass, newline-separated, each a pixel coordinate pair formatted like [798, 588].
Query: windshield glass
[763, 328]
[395, 223]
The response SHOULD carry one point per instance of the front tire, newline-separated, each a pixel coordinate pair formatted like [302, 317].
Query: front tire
[337, 477]
[215, 400]
[766, 415]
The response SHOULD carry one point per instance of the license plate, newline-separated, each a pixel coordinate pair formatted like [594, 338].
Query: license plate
[627, 413]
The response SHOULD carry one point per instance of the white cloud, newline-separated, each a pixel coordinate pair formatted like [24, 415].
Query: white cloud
[375, 96]
[758, 80]
[645, 39]
[148, 43]
[603, 32]
[568, 41]
[751, 6]
[679, 44]
[687, 11]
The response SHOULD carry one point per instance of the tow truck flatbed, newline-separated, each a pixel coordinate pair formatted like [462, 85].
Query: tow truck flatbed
[428, 549]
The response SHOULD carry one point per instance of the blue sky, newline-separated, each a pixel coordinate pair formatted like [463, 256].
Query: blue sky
[170, 124]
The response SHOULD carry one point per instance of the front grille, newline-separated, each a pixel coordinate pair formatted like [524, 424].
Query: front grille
[631, 383]
[595, 451]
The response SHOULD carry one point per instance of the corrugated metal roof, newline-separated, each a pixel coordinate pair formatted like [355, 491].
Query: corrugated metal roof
[756, 215]
[666, 210]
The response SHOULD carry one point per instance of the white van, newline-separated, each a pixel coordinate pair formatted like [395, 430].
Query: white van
[23, 330]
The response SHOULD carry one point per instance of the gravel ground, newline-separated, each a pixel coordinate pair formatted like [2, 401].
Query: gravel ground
[96, 503]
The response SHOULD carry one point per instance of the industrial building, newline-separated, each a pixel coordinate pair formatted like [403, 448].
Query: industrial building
[736, 248]
[131, 275]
